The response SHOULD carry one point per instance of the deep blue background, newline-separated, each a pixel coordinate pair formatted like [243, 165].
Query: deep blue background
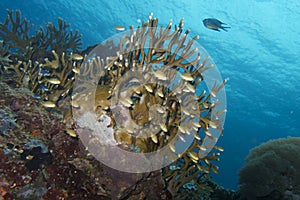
[260, 54]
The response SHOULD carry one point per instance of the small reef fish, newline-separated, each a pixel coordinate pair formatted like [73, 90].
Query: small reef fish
[77, 56]
[44, 72]
[214, 24]
[54, 81]
[71, 132]
[49, 104]
[36, 96]
[119, 28]
[44, 88]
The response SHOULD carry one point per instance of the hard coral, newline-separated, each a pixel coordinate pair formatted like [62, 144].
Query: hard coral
[49, 165]
[152, 76]
[15, 32]
[272, 170]
[46, 62]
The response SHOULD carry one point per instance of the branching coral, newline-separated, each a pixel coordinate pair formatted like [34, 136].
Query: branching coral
[45, 62]
[148, 88]
[151, 83]
[4, 56]
[272, 170]
[50, 81]
[15, 32]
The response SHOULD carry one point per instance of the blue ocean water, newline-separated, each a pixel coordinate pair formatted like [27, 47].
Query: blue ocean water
[260, 54]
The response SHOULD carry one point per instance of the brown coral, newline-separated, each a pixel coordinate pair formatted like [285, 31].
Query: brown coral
[147, 83]
[15, 32]
[24, 121]
[46, 62]
[272, 170]
[151, 78]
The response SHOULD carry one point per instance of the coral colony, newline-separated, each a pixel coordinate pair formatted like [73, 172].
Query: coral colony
[276, 167]
[152, 78]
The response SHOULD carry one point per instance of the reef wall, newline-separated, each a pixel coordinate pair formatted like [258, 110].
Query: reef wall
[50, 62]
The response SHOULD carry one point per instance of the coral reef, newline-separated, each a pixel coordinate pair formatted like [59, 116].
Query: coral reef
[151, 78]
[40, 161]
[15, 33]
[45, 62]
[166, 66]
[272, 171]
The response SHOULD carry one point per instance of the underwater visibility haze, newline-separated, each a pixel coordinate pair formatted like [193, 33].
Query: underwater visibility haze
[259, 55]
